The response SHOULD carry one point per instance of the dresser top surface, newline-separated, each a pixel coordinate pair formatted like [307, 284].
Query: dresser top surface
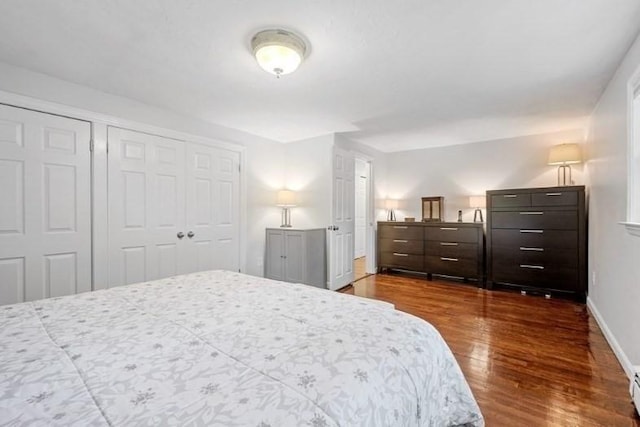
[538, 189]
[433, 223]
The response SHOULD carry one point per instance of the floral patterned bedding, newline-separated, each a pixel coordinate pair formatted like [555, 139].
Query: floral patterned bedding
[225, 349]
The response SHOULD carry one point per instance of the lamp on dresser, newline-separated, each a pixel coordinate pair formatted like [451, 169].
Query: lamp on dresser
[478, 202]
[286, 199]
[391, 205]
[563, 156]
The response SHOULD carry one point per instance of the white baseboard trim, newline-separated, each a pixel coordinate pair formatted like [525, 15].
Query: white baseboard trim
[611, 339]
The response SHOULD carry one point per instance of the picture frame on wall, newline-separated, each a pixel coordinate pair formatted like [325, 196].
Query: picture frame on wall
[432, 209]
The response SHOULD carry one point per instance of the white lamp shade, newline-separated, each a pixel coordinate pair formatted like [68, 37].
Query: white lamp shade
[391, 204]
[477, 202]
[565, 154]
[278, 51]
[278, 60]
[286, 198]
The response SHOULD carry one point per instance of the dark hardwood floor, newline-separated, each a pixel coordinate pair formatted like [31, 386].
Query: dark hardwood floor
[529, 361]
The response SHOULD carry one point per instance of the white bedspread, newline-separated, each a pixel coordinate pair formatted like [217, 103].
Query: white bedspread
[225, 349]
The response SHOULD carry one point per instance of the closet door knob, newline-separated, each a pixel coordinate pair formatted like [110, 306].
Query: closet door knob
[191, 234]
[180, 235]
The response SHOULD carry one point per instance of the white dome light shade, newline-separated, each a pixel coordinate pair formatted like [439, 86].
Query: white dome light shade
[278, 52]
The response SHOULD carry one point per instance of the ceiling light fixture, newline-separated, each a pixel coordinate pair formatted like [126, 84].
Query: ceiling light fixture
[278, 51]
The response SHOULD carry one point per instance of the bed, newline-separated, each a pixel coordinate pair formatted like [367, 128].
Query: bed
[220, 348]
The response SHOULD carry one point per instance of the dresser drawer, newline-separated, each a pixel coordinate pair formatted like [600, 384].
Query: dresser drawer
[511, 200]
[536, 220]
[402, 260]
[564, 279]
[405, 246]
[452, 249]
[408, 232]
[451, 233]
[451, 266]
[565, 239]
[549, 258]
[555, 198]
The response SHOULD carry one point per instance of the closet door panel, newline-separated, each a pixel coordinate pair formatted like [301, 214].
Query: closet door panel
[213, 207]
[45, 215]
[146, 207]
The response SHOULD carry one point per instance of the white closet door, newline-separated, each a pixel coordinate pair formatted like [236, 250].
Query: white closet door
[146, 207]
[213, 208]
[45, 202]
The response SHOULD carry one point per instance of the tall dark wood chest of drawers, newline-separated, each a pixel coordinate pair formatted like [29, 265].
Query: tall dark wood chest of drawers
[446, 248]
[536, 239]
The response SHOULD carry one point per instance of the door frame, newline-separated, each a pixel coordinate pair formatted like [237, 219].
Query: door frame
[99, 172]
[370, 249]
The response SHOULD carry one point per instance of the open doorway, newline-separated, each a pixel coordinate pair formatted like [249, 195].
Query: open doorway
[363, 220]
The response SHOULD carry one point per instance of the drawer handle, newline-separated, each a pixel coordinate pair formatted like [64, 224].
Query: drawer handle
[533, 267]
[397, 254]
[523, 248]
[553, 194]
[400, 241]
[448, 244]
[510, 196]
[400, 226]
[449, 259]
[531, 213]
[449, 228]
[532, 231]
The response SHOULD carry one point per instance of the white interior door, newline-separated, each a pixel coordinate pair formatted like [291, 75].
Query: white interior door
[213, 208]
[341, 230]
[45, 205]
[146, 207]
[361, 184]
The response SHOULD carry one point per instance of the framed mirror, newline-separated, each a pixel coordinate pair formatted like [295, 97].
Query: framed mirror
[432, 208]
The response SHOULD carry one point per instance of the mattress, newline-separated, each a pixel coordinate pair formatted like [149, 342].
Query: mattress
[225, 349]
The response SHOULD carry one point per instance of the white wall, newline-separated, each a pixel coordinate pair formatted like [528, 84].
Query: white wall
[309, 174]
[457, 172]
[264, 158]
[378, 173]
[613, 252]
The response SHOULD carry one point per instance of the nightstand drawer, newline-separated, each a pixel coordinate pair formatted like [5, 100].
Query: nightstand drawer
[452, 249]
[400, 231]
[555, 198]
[451, 233]
[451, 266]
[406, 246]
[402, 260]
[566, 239]
[536, 220]
[511, 200]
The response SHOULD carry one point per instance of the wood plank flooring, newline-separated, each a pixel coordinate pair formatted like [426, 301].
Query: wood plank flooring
[529, 361]
[360, 268]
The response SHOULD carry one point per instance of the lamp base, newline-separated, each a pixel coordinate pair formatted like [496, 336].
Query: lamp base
[391, 216]
[562, 179]
[286, 218]
[477, 215]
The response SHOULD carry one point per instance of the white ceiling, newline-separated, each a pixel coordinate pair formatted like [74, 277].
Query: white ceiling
[396, 75]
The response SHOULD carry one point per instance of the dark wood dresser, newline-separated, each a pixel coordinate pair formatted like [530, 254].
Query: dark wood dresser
[446, 248]
[536, 240]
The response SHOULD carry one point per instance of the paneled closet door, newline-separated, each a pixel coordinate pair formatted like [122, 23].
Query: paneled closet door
[146, 207]
[213, 208]
[45, 205]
